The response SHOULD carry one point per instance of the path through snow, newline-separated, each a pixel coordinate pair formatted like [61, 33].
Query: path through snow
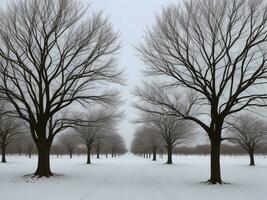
[133, 178]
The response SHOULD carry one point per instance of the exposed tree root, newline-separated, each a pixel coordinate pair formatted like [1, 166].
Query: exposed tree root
[212, 182]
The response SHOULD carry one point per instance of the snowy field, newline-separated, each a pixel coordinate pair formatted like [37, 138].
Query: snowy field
[133, 178]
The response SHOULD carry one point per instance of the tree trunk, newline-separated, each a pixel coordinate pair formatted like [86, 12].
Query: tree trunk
[97, 151]
[252, 161]
[215, 162]
[154, 155]
[43, 166]
[30, 154]
[70, 154]
[3, 148]
[88, 156]
[169, 151]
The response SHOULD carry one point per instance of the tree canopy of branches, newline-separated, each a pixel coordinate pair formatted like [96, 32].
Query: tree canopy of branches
[215, 48]
[54, 55]
[250, 133]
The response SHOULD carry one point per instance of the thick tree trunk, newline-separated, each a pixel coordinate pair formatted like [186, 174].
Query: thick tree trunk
[252, 161]
[43, 166]
[3, 149]
[215, 162]
[169, 151]
[154, 155]
[88, 156]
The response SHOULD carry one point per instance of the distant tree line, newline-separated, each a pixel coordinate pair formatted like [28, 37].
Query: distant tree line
[21, 147]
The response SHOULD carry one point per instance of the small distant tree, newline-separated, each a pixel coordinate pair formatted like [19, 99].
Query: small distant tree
[98, 123]
[9, 130]
[70, 142]
[146, 139]
[250, 133]
[28, 144]
[117, 144]
[172, 132]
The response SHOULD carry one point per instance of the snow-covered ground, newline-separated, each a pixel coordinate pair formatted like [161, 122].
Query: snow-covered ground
[133, 178]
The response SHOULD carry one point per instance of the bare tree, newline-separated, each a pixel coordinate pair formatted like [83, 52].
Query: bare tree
[99, 122]
[216, 48]
[172, 132]
[70, 141]
[250, 133]
[88, 135]
[52, 56]
[9, 129]
[146, 139]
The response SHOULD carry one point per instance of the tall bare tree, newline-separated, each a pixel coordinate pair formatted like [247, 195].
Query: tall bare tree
[217, 49]
[250, 133]
[54, 55]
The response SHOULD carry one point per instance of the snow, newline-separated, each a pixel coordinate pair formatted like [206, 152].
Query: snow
[131, 178]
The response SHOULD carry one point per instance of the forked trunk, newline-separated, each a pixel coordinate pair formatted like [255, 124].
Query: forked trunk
[3, 149]
[215, 176]
[43, 166]
[169, 151]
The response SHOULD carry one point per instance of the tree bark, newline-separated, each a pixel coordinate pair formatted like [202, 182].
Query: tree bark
[88, 156]
[154, 155]
[215, 176]
[3, 149]
[169, 151]
[252, 161]
[43, 166]
[97, 151]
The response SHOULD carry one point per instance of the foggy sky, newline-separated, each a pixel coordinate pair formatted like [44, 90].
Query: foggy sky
[131, 18]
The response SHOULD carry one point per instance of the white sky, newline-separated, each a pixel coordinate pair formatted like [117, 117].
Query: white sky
[131, 18]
